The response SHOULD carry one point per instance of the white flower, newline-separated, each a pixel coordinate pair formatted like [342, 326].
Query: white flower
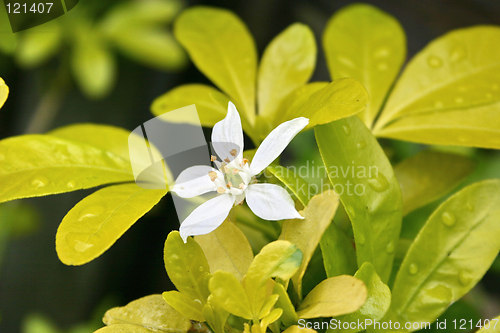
[234, 180]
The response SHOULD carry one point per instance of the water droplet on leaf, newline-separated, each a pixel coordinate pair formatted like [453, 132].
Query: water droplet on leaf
[361, 239]
[361, 145]
[390, 247]
[379, 183]
[39, 182]
[448, 219]
[457, 54]
[71, 184]
[382, 66]
[413, 269]
[463, 278]
[434, 61]
[347, 129]
[381, 52]
[91, 212]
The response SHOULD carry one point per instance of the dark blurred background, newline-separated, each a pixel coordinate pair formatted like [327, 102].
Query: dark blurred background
[32, 280]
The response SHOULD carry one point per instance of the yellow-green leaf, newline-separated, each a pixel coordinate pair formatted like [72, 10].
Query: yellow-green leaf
[210, 103]
[338, 251]
[38, 44]
[228, 292]
[451, 253]
[290, 178]
[150, 312]
[339, 99]
[298, 329]
[369, 45]
[429, 175]
[452, 84]
[93, 65]
[37, 165]
[215, 315]
[105, 137]
[187, 266]
[4, 92]
[221, 46]
[287, 63]
[306, 234]
[289, 316]
[362, 175]
[491, 326]
[227, 249]
[333, 297]
[96, 222]
[124, 328]
[185, 305]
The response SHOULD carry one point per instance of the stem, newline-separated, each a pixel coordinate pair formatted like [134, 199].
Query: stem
[50, 103]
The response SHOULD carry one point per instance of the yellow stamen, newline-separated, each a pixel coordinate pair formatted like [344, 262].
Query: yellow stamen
[241, 186]
[229, 185]
[235, 171]
[221, 190]
[213, 158]
[227, 160]
[212, 175]
[245, 161]
[233, 152]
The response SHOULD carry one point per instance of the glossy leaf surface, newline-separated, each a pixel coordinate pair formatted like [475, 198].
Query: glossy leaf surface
[362, 175]
[228, 292]
[369, 45]
[221, 46]
[451, 253]
[96, 222]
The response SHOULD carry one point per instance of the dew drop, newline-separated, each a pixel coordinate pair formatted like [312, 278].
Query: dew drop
[379, 183]
[434, 61]
[381, 52]
[39, 182]
[71, 184]
[201, 269]
[438, 104]
[448, 219]
[91, 212]
[382, 66]
[361, 239]
[413, 269]
[457, 54]
[361, 145]
[463, 278]
[197, 301]
[390, 248]
[347, 129]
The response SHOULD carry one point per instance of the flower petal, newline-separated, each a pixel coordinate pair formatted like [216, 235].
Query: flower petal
[274, 144]
[227, 135]
[207, 216]
[195, 181]
[271, 202]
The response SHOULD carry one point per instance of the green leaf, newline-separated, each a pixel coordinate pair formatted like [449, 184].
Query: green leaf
[369, 45]
[289, 316]
[339, 99]
[428, 176]
[210, 103]
[150, 312]
[215, 315]
[448, 92]
[185, 305]
[124, 328]
[333, 297]
[378, 297]
[306, 234]
[298, 329]
[38, 44]
[221, 46]
[228, 292]
[93, 65]
[96, 222]
[287, 64]
[362, 175]
[38, 165]
[227, 249]
[339, 256]
[450, 254]
[493, 327]
[295, 183]
[187, 266]
[4, 92]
